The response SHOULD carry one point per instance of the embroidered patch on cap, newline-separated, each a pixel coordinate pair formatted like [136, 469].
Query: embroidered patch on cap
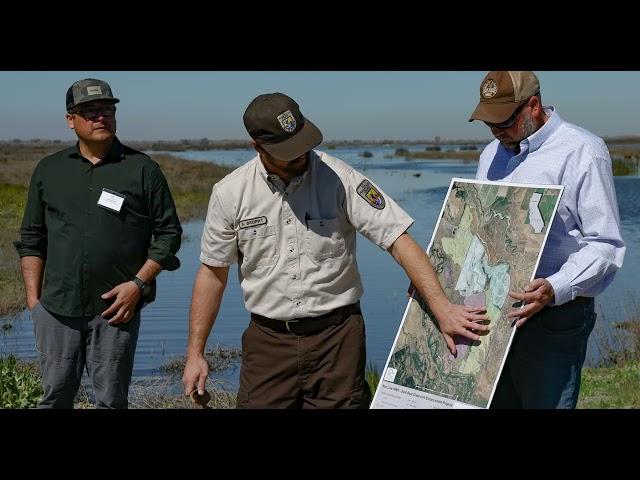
[252, 222]
[371, 194]
[94, 90]
[489, 88]
[287, 121]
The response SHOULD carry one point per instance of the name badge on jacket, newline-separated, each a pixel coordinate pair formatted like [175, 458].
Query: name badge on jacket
[111, 200]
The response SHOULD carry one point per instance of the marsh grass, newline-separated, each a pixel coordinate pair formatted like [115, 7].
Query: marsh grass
[21, 387]
[190, 183]
[219, 358]
[372, 376]
[614, 381]
[12, 201]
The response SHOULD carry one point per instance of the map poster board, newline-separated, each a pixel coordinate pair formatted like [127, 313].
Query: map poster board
[488, 241]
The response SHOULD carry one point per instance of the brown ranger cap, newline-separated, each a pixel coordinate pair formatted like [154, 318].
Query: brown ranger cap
[501, 93]
[274, 121]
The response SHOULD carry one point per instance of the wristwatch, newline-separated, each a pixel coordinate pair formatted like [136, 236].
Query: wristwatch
[144, 287]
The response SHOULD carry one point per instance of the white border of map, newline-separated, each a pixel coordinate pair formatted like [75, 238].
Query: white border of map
[392, 396]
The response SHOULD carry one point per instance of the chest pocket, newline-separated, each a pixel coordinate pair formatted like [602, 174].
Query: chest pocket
[259, 246]
[324, 240]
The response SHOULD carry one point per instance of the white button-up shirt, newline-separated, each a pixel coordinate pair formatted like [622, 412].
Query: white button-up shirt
[296, 244]
[584, 248]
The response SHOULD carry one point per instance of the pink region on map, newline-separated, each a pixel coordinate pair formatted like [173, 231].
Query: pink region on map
[447, 274]
[476, 300]
[463, 343]
[462, 346]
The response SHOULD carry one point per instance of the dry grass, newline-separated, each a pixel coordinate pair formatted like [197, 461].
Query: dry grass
[190, 183]
[161, 393]
[17, 163]
[157, 394]
[219, 358]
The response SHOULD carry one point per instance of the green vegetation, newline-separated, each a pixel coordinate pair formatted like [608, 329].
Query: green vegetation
[19, 384]
[12, 200]
[500, 205]
[372, 376]
[615, 381]
[546, 205]
[190, 183]
[625, 160]
[623, 167]
[611, 387]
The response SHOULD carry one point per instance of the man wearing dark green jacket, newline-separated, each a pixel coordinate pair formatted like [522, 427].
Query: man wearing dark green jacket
[99, 225]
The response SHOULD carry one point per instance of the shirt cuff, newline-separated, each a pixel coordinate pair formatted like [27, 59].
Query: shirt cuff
[30, 249]
[561, 288]
[213, 262]
[168, 262]
[390, 240]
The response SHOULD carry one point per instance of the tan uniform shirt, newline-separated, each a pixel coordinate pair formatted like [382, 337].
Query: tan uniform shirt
[296, 245]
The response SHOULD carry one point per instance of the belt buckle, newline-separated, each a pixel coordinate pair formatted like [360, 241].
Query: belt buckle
[287, 322]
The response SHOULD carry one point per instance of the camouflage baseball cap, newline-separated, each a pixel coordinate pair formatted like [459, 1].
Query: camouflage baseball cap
[274, 121]
[88, 90]
[502, 92]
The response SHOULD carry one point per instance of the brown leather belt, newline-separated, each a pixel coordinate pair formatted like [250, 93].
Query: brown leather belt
[309, 325]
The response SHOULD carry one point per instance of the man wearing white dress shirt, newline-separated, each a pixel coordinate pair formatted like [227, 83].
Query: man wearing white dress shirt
[584, 247]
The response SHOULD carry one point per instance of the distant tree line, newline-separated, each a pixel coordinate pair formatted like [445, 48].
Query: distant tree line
[209, 144]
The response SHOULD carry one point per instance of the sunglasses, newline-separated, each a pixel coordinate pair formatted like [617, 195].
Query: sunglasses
[93, 112]
[509, 121]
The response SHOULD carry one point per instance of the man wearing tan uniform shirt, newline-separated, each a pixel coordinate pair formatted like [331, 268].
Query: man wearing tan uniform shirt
[289, 218]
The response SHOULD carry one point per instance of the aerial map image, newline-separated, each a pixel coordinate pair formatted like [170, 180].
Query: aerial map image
[487, 242]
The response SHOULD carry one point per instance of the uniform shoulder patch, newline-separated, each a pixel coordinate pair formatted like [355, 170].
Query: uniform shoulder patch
[371, 194]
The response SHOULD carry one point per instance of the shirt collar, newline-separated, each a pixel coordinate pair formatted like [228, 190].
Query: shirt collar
[115, 153]
[542, 135]
[273, 180]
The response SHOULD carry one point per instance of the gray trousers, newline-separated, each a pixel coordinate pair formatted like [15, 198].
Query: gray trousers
[69, 344]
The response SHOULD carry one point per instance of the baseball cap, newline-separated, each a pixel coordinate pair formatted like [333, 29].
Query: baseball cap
[275, 122]
[502, 92]
[88, 90]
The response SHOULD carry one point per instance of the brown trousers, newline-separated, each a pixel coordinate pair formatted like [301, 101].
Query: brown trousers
[321, 370]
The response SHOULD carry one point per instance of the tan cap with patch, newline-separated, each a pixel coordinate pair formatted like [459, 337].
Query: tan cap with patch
[502, 92]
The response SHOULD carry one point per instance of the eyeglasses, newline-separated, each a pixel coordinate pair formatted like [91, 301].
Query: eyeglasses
[94, 112]
[509, 121]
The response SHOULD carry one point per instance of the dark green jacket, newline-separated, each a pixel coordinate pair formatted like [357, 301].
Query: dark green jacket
[87, 248]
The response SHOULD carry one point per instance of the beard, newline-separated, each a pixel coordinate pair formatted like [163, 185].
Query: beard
[528, 128]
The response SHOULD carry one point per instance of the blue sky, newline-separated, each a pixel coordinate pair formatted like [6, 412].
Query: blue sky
[344, 105]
